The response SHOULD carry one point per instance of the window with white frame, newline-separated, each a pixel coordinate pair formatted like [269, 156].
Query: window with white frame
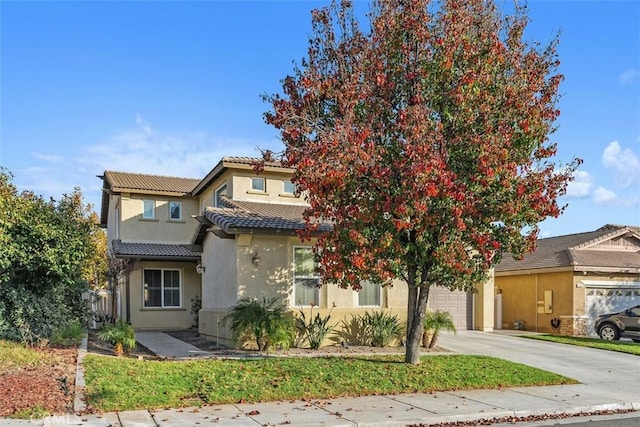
[148, 209]
[221, 191]
[162, 288]
[369, 294]
[306, 282]
[288, 187]
[175, 211]
[258, 184]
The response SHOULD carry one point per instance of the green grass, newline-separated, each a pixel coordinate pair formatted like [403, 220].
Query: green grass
[15, 356]
[125, 384]
[622, 347]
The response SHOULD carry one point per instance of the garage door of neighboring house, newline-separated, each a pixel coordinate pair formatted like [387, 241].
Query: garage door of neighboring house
[608, 297]
[458, 303]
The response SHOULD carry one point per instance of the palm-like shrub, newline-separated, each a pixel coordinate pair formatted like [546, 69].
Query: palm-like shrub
[434, 322]
[268, 321]
[121, 335]
[379, 328]
[316, 329]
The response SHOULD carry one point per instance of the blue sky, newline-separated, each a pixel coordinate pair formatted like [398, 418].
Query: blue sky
[170, 87]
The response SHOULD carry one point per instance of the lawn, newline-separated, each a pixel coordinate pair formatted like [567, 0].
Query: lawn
[125, 384]
[620, 346]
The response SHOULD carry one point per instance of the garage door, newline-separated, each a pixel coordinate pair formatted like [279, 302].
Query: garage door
[612, 297]
[457, 303]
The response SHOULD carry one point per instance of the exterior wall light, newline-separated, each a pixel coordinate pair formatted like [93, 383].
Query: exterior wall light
[255, 260]
[199, 267]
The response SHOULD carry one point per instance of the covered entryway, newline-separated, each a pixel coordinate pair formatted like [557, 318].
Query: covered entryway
[608, 297]
[457, 303]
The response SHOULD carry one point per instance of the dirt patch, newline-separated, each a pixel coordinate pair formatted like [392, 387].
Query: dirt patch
[95, 346]
[45, 388]
[192, 337]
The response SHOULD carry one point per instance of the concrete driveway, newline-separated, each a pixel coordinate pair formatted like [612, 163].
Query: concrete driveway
[602, 373]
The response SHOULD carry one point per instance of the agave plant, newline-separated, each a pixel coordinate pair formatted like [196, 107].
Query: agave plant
[121, 335]
[316, 329]
[268, 321]
[434, 322]
[379, 328]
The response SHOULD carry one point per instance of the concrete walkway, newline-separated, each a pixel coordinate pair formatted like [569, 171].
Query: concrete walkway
[167, 347]
[612, 387]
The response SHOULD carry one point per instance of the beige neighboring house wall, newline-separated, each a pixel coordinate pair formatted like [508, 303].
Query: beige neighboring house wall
[573, 279]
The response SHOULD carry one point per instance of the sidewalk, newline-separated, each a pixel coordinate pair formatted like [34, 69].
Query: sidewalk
[391, 410]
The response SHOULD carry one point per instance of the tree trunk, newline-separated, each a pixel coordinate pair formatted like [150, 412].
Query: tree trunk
[416, 308]
[434, 338]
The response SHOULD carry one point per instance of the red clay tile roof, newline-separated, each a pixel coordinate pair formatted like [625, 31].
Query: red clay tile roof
[150, 251]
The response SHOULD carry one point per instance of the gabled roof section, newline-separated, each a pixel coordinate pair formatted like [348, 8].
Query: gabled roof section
[580, 252]
[252, 217]
[246, 163]
[154, 184]
[125, 182]
[156, 251]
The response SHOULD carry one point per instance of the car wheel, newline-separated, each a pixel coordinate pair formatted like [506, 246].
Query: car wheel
[609, 332]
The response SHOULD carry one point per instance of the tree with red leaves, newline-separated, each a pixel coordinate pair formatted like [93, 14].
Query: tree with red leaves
[425, 140]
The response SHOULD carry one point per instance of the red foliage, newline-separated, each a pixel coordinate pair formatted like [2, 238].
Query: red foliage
[425, 141]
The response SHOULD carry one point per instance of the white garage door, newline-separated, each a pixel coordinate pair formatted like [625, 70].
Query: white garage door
[609, 297]
[457, 303]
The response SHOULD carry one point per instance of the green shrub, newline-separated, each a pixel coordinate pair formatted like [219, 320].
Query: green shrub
[68, 335]
[378, 329]
[316, 329]
[33, 318]
[268, 321]
[121, 335]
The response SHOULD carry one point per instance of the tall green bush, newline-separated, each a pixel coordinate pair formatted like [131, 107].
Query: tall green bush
[46, 247]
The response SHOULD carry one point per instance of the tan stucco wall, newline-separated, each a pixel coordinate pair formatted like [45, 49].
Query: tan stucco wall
[239, 188]
[161, 318]
[521, 295]
[483, 303]
[237, 278]
[135, 229]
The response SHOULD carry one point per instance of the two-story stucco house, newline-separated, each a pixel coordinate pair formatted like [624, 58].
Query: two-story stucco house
[233, 235]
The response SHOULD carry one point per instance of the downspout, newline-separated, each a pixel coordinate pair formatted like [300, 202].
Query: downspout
[128, 295]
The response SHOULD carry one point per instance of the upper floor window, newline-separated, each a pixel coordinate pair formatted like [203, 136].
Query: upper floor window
[162, 288]
[369, 295]
[306, 282]
[148, 209]
[175, 211]
[288, 187]
[258, 184]
[221, 191]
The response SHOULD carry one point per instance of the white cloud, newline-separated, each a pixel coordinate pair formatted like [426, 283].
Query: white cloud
[602, 196]
[581, 185]
[141, 149]
[623, 162]
[628, 77]
[49, 158]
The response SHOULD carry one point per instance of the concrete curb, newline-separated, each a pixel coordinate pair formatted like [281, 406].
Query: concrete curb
[78, 400]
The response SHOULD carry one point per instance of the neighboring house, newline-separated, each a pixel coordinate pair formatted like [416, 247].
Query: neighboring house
[572, 278]
[240, 229]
